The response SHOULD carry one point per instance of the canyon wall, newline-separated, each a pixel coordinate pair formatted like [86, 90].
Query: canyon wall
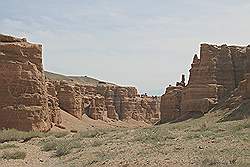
[31, 101]
[213, 78]
[240, 94]
[23, 95]
[106, 102]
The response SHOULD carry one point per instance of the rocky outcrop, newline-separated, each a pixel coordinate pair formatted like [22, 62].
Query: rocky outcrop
[29, 101]
[53, 103]
[240, 94]
[200, 98]
[111, 108]
[106, 102]
[243, 89]
[171, 103]
[238, 103]
[23, 96]
[70, 98]
[213, 77]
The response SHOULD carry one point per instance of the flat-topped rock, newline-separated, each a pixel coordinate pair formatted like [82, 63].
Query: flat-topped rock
[104, 102]
[23, 95]
[7, 38]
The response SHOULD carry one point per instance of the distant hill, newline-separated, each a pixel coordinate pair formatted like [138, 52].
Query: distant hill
[79, 79]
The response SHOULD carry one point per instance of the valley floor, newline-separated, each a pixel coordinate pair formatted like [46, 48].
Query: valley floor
[195, 142]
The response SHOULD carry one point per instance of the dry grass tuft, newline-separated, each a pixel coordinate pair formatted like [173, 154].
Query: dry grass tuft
[7, 146]
[14, 155]
[15, 135]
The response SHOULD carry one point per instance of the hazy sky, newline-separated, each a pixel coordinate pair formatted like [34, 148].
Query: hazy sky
[143, 43]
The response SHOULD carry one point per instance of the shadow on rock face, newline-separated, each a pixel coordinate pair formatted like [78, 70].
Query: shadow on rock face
[238, 113]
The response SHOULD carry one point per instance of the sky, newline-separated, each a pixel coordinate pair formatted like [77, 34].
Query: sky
[143, 43]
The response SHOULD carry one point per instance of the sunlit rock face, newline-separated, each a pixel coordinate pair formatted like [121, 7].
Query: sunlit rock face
[171, 103]
[53, 103]
[106, 102]
[213, 78]
[70, 99]
[23, 95]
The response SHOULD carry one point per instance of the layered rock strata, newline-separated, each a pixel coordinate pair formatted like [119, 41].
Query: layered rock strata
[29, 101]
[53, 103]
[213, 77]
[23, 96]
[70, 99]
[171, 103]
[106, 102]
[240, 94]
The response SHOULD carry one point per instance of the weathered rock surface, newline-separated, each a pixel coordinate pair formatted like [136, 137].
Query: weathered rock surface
[106, 102]
[70, 99]
[29, 101]
[213, 77]
[23, 96]
[53, 103]
[240, 94]
[171, 103]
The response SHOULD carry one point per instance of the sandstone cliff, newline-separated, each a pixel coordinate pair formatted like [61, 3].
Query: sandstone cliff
[104, 101]
[213, 78]
[29, 101]
[23, 95]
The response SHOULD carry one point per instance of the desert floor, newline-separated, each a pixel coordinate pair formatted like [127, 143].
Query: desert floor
[203, 141]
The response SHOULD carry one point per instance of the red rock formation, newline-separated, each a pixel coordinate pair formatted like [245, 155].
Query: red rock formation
[121, 103]
[247, 94]
[105, 102]
[200, 98]
[240, 94]
[212, 78]
[28, 102]
[111, 112]
[243, 89]
[147, 109]
[23, 97]
[97, 108]
[171, 103]
[70, 99]
[53, 103]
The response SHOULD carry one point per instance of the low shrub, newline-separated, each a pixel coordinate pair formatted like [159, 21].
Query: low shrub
[6, 146]
[61, 147]
[58, 134]
[15, 135]
[14, 155]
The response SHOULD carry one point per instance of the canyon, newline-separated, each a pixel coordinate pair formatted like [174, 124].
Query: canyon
[34, 99]
[31, 99]
[49, 119]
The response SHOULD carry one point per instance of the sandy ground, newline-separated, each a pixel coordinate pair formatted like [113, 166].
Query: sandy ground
[72, 123]
[195, 142]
